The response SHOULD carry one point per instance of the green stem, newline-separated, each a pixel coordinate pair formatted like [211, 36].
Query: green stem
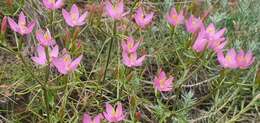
[109, 51]
[45, 87]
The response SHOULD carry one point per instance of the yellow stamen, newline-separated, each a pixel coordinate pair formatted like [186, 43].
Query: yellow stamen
[52, 1]
[228, 58]
[46, 36]
[174, 17]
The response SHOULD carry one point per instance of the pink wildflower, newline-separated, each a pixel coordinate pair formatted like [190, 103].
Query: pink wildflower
[162, 83]
[141, 19]
[244, 60]
[21, 27]
[174, 18]
[73, 17]
[201, 42]
[193, 24]
[113, 115]
[131, 60]
[228, 61]
[129, 45]
[115, 11]
[45, 38]
[41, 59]
[87, 118]
[65, 65]
[52, 4]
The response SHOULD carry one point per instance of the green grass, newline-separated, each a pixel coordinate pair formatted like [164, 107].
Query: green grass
[202, 92]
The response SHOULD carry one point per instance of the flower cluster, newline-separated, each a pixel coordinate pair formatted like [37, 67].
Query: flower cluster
[47, 50]
[211, 38]
[129, 53]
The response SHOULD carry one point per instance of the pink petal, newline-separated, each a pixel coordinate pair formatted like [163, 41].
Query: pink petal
[74, 11]
[139, 61]
[67, 18]
[83, 17]
[22, 20]
[109, 109]
[149, 17]
[162, 75]
[58, 4]
[220, 33]
[120, 7]
[98, 118]
[41, 51]
[60, 65]
[30, 27]
[108, 117]
[38, 60]
[126, 59]
[221, 58]
[47, 4]
[119, 109]
[231, 53]
[13, 25]
[86, 118]
[173, 11]
[39, 36]
[54, 51]
[76, 62]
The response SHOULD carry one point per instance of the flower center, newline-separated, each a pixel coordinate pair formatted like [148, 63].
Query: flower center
[174, 17]
[52, 1]
[74, 17]
[211, 30]
[240, 59]
[130, 45]
[47, 37]
[66, 59]
[132, 58]
[162, 81]
[228, 58]
[113, 112]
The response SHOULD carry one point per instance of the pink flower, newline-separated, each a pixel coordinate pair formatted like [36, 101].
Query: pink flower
[41, 59]
[113, 115]
[129, 45]
[216, 39]
[21, 27]
[130, 59]
[210, 38]
[52, 4]
[174, 18]
[115, 11]
[193, 24]
[228, 61]
[162, 83]
[201, 42]
[73, 17]
[211, 32]
[4, 25]
[87, 118]
[45, 38]
[217, 44]
[244, 60]
[141, 19]
[65, 65]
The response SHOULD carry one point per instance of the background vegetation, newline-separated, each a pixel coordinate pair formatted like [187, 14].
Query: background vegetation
[203, 91]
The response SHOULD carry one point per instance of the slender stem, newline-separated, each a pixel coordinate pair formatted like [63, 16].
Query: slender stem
[109, 51]
[45, 87]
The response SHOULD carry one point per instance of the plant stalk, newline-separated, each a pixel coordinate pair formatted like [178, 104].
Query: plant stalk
[109, 51]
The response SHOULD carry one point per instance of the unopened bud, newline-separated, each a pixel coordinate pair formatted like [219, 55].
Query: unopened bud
[4, 25]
